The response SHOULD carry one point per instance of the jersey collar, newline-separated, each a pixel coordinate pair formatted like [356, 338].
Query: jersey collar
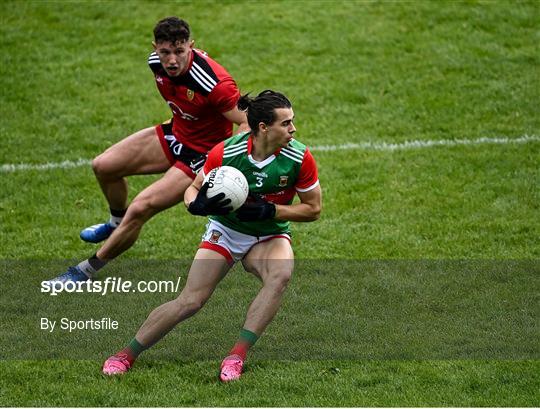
[250, 146]
[255, 162]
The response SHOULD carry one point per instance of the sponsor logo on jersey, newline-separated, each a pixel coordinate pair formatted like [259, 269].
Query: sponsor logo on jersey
[178, 111]
[283, 181]
[214, 236]
[190, 94]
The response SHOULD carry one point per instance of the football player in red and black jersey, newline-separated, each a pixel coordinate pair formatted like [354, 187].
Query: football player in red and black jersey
[203, 98]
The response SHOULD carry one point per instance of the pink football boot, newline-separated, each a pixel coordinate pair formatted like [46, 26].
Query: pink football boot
[116, 365]
[231, 368]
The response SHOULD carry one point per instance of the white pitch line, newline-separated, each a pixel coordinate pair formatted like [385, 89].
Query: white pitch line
[67, 164]
[420, 144]
[371, 146]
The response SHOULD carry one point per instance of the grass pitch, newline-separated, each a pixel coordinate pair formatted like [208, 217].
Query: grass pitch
[74, 80]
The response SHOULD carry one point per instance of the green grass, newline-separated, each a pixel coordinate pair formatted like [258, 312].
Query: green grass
[74, 80]
[332, 383]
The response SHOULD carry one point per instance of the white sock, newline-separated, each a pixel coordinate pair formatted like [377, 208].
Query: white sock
[115, 221]
[86, 268]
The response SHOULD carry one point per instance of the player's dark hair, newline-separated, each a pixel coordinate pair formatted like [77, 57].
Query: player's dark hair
[262, 107]
[171, 29]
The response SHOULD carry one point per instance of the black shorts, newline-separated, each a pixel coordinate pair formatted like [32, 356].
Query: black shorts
[179, 155]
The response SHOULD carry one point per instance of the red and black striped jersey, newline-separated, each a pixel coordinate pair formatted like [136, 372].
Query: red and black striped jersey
[198, 98]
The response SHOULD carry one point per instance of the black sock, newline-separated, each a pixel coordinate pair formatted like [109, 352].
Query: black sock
[118, 213]
[96, 263]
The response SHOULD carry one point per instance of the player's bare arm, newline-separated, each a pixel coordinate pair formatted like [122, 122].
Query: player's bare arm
[308, 210]
[239, 118]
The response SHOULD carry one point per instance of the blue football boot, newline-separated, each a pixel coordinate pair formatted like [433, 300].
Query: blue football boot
[97, 232]
[73, 274]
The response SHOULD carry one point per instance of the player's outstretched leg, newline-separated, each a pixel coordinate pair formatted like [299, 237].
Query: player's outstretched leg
[139, 153]
[206, 271]
[272, 262]
[160, 195]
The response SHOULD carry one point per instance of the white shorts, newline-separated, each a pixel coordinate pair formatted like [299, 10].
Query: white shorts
[230, 243]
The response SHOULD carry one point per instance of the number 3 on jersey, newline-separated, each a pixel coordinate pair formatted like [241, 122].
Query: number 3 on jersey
[259, 181]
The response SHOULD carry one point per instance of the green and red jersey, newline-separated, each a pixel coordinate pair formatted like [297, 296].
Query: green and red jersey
[277, 178]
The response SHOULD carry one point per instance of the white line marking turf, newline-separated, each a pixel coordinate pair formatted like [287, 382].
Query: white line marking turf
[367, 146]
[420, 144]
[67, 164]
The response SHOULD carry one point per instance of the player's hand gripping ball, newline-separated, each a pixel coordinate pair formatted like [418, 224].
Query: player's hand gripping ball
[231, 182]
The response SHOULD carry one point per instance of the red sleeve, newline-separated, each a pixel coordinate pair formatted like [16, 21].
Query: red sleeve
[215, 158]
[308, 177]
[224, 95]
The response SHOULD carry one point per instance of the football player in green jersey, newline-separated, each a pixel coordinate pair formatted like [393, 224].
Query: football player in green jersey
[277, 168]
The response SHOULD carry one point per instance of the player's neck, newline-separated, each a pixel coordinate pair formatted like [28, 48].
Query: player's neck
[262, 149]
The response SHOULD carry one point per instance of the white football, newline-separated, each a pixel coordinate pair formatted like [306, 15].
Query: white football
[230, 181]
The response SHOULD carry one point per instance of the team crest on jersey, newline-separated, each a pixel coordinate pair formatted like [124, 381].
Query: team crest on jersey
[283, 181]
[159, 79]
[190, 94]
[214, 236]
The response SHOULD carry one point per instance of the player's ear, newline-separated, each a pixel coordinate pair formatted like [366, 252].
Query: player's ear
[191, 42]
[154, 45]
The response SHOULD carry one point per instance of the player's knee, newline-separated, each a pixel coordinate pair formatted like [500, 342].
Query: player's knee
[101, 167]
[139, 211]
[279, 280]
[189, 305]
